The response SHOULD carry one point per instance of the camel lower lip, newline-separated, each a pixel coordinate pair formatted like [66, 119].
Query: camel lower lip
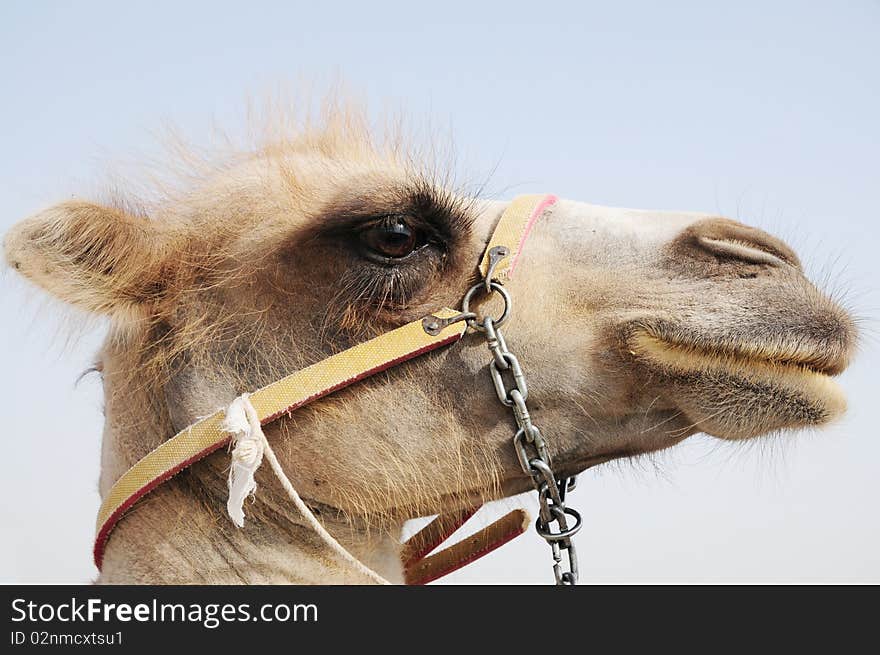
[813, 397]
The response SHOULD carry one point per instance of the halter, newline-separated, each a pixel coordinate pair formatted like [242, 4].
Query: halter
[441, 328]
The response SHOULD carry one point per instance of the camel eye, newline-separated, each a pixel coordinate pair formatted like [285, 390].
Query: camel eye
[390, 239]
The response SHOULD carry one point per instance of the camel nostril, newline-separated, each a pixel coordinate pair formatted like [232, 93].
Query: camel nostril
[728, 239]
[740, 250]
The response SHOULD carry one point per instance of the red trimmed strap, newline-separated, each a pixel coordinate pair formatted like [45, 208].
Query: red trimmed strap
[469, 549]
[108, 525]
[432, 535]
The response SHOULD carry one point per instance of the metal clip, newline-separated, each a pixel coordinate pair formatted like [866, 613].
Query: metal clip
[496, 254]
[434, 325]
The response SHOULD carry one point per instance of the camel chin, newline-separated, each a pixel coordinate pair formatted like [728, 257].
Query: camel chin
[735, 397]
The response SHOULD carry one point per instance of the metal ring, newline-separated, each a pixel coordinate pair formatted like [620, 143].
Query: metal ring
[564, 534]
[466, 302]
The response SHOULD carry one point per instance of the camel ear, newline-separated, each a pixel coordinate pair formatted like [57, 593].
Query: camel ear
[97, 258]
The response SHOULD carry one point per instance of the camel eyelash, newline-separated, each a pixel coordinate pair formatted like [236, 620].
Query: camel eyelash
[436, 213]
[353, 228]
[390, 287]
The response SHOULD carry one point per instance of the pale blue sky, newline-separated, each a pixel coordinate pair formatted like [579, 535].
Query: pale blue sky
[765, 111]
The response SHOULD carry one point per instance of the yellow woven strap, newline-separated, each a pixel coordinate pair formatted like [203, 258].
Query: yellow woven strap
[510, 233]
[272, 401]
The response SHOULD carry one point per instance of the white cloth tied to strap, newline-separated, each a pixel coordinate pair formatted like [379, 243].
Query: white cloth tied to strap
[249, 445]
[243, 425]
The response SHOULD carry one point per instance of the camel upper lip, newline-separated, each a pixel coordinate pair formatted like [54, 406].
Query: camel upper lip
[803, 356]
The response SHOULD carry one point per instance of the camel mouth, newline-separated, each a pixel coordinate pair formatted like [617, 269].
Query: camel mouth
[799, 359]
[740, 391]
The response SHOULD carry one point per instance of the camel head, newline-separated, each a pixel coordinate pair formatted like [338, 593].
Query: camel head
[635, 328]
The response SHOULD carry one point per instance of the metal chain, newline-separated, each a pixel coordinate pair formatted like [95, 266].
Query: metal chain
[531, 449]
